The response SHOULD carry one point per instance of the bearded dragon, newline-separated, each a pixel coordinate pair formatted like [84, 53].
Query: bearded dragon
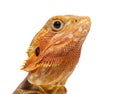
[53, 55]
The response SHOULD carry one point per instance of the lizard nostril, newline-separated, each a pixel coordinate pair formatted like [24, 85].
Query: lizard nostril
[37, 51]
[75, 21]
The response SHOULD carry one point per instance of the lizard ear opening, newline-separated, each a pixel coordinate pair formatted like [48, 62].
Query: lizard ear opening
[37, 51]
[57, 25]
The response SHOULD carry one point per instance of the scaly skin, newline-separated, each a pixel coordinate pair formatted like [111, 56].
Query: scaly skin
[53, 54]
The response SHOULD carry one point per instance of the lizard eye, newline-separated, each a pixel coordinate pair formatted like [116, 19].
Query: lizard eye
[37, 51]
[57, 25]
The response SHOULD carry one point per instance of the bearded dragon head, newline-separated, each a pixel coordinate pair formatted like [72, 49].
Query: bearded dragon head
[58, 37]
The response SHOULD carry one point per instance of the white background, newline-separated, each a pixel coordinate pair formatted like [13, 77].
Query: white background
[98, 71]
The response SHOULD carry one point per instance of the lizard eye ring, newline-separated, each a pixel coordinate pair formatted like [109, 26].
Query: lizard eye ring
[57, 25]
